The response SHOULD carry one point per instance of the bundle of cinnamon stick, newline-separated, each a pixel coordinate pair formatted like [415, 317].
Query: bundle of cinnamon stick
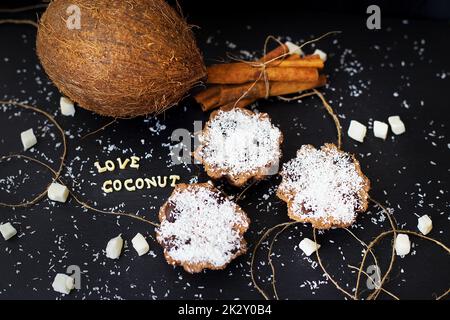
[277, 73]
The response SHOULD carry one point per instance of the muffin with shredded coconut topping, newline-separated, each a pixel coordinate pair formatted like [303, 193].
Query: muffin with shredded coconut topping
[201, 228]
[324, 187]
[239, 145]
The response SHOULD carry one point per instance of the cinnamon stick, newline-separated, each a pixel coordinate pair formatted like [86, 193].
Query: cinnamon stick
[295, 60]
[271, 55]
[313, 63]
[207, 95]
[275, 53]
[238, 73]
[225, 94]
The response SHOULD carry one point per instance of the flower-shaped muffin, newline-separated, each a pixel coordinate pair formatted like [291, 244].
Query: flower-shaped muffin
[239, 145]
[324, 187]
[201, 228]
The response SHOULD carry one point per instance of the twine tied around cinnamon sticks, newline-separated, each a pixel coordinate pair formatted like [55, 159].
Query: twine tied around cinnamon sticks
[279, 72]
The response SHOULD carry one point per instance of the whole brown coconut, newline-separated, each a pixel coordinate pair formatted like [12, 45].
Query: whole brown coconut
[128, 58]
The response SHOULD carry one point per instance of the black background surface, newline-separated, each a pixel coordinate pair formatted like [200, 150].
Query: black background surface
[409, 173]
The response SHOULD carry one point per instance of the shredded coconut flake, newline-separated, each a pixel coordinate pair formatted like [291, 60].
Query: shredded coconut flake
[323, 185]
[240, 142]
[204, 227]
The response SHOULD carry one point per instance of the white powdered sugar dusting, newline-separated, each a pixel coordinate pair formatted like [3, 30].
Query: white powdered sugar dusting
[323, 185]
[204, 227]
[240, 142]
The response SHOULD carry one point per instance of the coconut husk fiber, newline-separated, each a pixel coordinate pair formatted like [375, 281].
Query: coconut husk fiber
[129, 58]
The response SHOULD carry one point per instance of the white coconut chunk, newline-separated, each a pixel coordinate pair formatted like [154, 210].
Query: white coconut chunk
[293, 48]
[397, 125]
[308, 246]
[7, 231]
[357, 131]
[425, 224]
[114, 247]
[63, 283]
[380, 129]
[402, 244]
[321, 54]
[28, 139]
[140, 244]
[67, 107]
[57, 192]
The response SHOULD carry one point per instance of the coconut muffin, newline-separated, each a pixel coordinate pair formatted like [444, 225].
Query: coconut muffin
[239, 145]
[324, 187]
[201, 228]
